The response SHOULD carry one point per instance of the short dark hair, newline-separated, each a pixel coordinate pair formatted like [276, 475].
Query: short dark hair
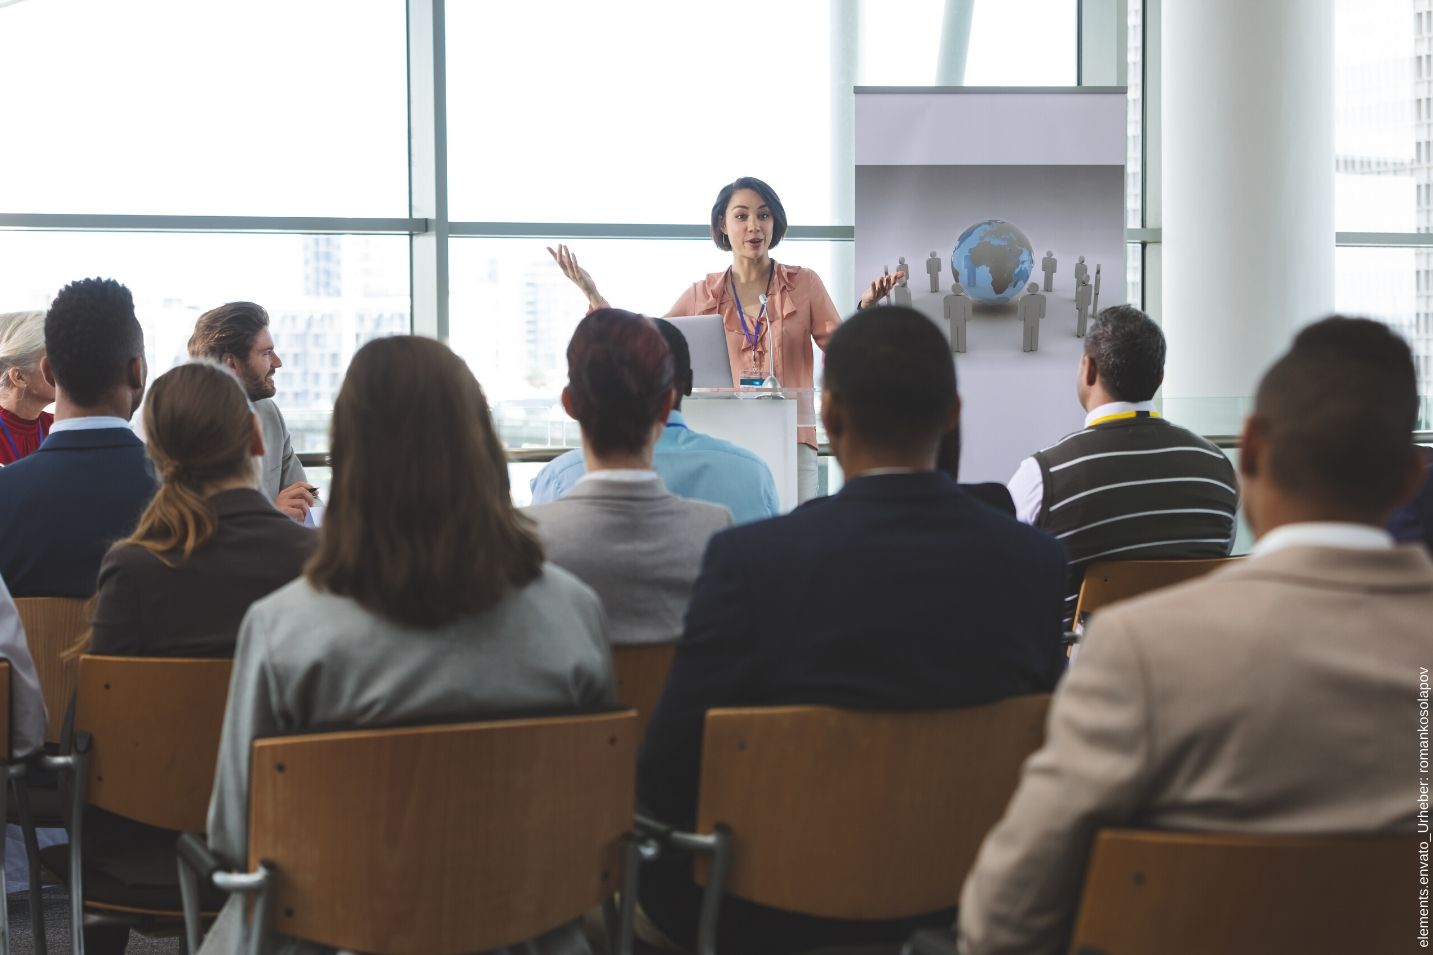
[1128, 349]
[91, 335]
[383, 542]
[681, 356]
[892, 371]
[229, 329]
[619, 375]
[1338, 410]
[768, 196]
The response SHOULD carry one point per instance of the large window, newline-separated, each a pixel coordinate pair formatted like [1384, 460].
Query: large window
[1383, 162]
[202, 152]
[590, 139]
[193, 107]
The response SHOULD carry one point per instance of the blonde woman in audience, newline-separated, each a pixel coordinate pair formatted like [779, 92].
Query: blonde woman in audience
[428, 599]
[24, 393]
[207, 546]
[619, 529]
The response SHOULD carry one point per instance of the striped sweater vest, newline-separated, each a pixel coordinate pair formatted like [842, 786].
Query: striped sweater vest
[1136, 488]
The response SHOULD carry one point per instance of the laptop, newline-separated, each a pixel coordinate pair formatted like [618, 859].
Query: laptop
[706, 340]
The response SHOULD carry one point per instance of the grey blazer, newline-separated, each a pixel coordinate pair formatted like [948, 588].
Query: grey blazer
[635, 543]
[1277, 696]
[279, 466]
[308, 661]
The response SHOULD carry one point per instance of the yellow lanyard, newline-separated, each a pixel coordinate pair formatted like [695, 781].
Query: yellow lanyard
[1123, 415]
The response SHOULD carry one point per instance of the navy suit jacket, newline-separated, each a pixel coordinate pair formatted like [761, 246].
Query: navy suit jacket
[899, 592]
[62, 507]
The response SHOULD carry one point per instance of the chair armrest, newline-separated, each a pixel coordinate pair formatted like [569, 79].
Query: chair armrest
[202, 861]
[198, 863]
[651, 827]
[654, 836]
[931, 941]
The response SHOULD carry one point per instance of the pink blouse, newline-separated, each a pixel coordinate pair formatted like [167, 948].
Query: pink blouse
[803, 313]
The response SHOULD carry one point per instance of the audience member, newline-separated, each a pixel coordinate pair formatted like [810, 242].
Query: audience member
[901, 591]
[27, 705]
[207, 547]
[428, 600]
[1130, 485]
[209, 544]
[1270, 697]
[24, 392]
[63, 506]
[1413, 520]
[237, 336]
[619, 530]
[690, 464]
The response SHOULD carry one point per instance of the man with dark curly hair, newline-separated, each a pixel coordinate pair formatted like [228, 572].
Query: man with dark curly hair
[1129, 485]
[63, 506]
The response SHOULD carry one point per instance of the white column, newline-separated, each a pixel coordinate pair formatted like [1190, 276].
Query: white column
[428, 165]
[1247, 150]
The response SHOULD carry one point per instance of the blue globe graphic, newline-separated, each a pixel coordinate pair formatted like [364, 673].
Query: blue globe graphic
[993, 260]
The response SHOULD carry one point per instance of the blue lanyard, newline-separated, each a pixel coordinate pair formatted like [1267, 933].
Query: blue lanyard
[751, 335]
[10, 440]
[674, 424]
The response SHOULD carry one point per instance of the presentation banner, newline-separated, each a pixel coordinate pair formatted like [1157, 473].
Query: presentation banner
[1006, 209]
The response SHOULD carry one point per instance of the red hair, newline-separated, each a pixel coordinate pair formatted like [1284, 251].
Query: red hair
[619, 377]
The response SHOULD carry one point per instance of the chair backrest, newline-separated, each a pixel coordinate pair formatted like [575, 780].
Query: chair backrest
[52, 625]
[155, 725]
[1191, 894]
[641, 671]
[5, 721]
[860, 815]
[443, 839]
[1110, 581]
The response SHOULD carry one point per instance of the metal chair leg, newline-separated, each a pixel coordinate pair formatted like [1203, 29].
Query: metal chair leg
[32, 857]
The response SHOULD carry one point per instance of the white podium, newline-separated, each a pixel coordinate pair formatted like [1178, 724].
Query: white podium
[763, 421]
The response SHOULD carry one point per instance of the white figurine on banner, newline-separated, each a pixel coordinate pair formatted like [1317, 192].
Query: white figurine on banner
[1095, 307]
[1082, 271]
[900, 292]
[933, 269]
[902, 267]
[1032, 309]
[1082, 307]
[1050, 266]
[885, 299]
[958, 307]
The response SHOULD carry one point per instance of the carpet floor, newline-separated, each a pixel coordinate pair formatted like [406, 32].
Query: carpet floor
[57, 928]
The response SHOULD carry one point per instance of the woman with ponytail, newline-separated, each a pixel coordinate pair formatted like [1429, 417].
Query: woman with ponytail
[209, 544]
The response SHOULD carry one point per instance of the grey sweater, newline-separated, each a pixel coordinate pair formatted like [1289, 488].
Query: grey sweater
[635, 543]
[308, 661]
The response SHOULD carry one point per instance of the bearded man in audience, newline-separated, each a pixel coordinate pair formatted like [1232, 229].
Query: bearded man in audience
[1270, 697]
[86, 486]
[237, 335]
[899, 592]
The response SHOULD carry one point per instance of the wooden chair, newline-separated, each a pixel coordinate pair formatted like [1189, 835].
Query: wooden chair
[1110, 581]
[52, 626]
[641, 671]
[145, 745]
[435, 840]
[1191, 894]
[845, 814]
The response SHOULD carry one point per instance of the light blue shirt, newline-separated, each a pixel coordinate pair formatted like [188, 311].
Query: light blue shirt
[88, 424]
[692, 465]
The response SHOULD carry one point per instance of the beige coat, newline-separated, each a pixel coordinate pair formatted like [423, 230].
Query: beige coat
[1277, 696]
